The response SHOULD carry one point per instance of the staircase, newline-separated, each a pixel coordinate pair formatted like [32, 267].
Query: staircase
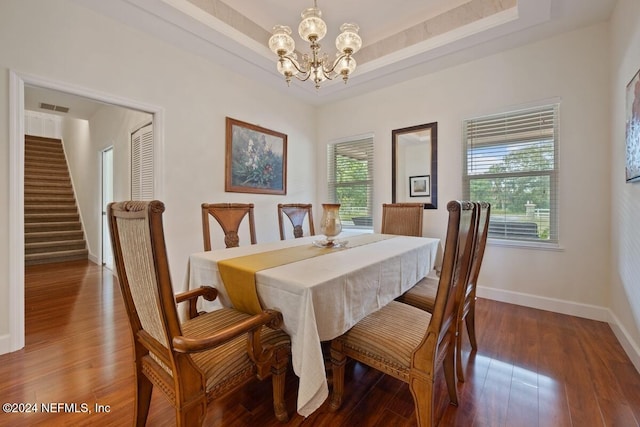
[52, 227]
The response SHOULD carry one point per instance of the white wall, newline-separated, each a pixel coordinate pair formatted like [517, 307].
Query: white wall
[70, 44]
[625, 198]
[84, 141]
[571, 68]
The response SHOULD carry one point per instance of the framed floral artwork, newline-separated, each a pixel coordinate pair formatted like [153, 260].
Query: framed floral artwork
[632, 169]
[256, 159]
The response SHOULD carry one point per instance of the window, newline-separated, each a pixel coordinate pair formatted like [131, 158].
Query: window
[512, 162]
[142, 163]
[350, 176]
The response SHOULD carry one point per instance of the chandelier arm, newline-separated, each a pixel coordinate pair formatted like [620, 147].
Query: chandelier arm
[293, 62]
[336, 62]
[329, 75]
[304, 78]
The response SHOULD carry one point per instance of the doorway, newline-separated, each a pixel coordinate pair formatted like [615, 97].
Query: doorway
[16, 338]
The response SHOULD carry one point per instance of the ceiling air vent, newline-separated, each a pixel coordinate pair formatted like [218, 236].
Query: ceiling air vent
[52, 107]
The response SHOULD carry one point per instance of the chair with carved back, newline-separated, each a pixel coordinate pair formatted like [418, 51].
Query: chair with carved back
[229, 216]
[423, 294]
[203, 357]
[402, 218]
[408, 343]
[296, 212]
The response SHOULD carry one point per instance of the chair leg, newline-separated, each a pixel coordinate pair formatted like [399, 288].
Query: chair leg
[338, 361]
[470, 320]
[144, 387]
[422, 391]
[449, 374]
[193, 415]
[278, 378]
[459, 371]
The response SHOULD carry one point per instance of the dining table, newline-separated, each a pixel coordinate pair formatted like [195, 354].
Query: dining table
[323, 296]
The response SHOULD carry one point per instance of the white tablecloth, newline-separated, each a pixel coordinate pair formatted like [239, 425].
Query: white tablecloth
[322, 297]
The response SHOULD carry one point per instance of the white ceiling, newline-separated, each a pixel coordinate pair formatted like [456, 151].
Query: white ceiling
[79, 108]
[401, 40]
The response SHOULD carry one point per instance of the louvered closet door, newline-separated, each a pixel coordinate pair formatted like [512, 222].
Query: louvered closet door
[142, 163]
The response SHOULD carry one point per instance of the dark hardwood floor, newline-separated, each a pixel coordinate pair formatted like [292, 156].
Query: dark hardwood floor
[533, 368]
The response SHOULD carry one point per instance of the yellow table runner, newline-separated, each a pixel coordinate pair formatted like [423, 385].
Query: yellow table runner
[239, 274]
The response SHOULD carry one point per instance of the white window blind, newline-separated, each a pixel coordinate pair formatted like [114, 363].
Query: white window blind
[142, 163]
[350, 181]
[512, 162]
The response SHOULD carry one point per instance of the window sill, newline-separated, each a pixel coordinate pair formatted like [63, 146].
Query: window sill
[357, 230]
[525, 245]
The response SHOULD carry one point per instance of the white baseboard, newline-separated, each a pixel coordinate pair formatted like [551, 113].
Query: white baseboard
[586, 311]
[93, 258]
[630, 347]
[5, 344]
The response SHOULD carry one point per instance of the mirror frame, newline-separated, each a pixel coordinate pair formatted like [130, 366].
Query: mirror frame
[433, 127]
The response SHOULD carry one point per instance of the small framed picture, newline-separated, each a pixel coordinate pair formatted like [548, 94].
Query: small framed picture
[419, 186]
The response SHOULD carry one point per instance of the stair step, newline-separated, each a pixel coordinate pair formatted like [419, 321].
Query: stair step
[45, 158]
[39, 150]
[51, 226]
[46, 236]
[48, 257]
[46, 170]
[49, 177]
[46, 184]
[42, 139]
[38, 164]
[51, 217]
[43, 145]
[39, 143]
[54, 246]
[69, 208]
[49, 198]
[49, 191]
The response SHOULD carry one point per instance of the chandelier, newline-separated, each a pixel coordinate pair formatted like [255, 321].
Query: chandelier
[315, 66]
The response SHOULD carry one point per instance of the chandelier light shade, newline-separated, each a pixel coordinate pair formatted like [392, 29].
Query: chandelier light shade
[315, 66]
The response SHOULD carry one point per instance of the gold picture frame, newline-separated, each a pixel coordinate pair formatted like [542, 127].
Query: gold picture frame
[255, 160]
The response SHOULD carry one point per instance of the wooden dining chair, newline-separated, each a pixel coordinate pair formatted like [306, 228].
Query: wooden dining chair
[408, 343]
[202, 358]
[402, 218]
[423, 294]
[296, 212]
[229, 216]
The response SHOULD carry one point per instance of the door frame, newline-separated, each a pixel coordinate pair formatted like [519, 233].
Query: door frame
[104, 235]
[17, 81]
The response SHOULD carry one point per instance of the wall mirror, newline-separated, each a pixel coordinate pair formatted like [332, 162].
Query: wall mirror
[414, 167]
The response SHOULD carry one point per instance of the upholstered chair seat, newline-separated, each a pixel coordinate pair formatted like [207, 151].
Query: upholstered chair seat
[378, 334]
[422, 294]
[223, 366]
